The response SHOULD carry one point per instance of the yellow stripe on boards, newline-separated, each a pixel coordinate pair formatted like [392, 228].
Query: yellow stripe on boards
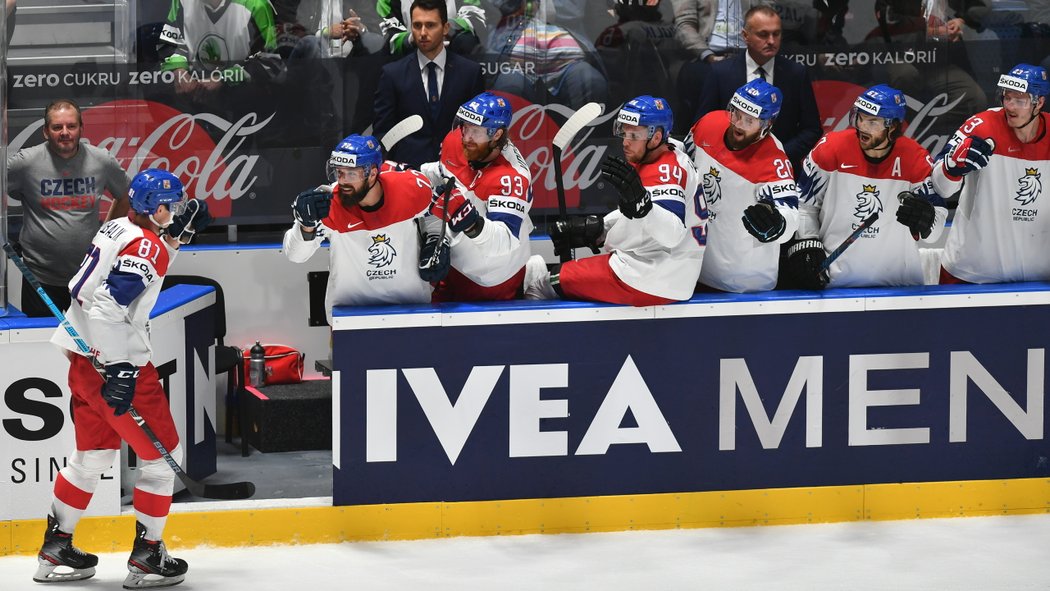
[412, 521]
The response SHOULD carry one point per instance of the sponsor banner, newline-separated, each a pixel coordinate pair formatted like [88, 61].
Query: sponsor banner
[249, 149]
[587, 407]
[36, 429]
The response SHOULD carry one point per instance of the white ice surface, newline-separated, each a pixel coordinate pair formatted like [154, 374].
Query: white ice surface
[982, 553]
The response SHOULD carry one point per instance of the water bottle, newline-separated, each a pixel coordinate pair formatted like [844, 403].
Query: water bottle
[257, 365]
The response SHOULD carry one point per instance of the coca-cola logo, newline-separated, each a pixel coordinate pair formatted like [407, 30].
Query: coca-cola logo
[532, 130]
[146, 134]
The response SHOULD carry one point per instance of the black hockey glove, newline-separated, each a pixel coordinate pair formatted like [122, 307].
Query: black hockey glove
[433, 259]
[576, 232]
[763, 221]
[804, 260]
[193, 219]
[119, 388]
[971, 154]
[310, 207]
[916, 213]
[634, 199]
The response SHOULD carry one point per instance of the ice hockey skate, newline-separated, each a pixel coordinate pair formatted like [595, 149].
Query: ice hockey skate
[150, 565]
[60, 560]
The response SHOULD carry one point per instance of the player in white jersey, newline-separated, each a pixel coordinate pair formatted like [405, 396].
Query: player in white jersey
[850, 175]
[746, 177]
[112, 295]
[373, 218]
[651, 254]
[488, 210]
[995, 162]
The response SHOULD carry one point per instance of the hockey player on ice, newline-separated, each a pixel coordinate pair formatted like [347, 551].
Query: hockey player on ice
[375, 218]
[749, 187]
[851, 174]
[487, 211]
[996, 162]
[652, 244]
[112, 294]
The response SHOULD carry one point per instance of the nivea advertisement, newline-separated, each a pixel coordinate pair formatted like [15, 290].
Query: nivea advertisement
[703, 399]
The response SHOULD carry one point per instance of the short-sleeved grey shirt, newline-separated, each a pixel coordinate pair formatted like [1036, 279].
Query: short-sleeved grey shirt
[60, 202]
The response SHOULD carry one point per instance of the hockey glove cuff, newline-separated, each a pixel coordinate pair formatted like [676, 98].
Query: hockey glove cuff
[577, 232]
[968, 155]
[193, 219]
[803, 267]
[434, 259]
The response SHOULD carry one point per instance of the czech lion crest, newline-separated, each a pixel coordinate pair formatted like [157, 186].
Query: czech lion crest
[1029, 186]
[868, 202]
[712, 188]
[382, 251]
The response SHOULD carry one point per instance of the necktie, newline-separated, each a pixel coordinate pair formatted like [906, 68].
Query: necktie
[432, 90]
[762, 74]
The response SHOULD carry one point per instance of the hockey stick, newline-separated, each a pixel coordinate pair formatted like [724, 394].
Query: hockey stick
[868, 221]
[231, 491]
[447, 194]
[572, 126]
[403, 128]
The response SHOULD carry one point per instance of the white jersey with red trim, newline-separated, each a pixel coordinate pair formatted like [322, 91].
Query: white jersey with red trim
[659, 254]
[502, 193]
[114, 291]
[1001, 232]
[374, 255]
[734, 260]
[839, 187]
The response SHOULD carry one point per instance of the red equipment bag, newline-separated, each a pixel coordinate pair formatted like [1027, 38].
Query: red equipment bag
[284, 365]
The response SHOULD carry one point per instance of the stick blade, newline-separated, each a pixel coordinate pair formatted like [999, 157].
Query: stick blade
[574, 124]
[403, 128]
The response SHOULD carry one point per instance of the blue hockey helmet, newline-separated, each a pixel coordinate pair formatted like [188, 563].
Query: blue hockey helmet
[647, 111]
[355, 151]
[487, 110]
[1026, 78]
[153, 187]
[882, 101]
[759, 99]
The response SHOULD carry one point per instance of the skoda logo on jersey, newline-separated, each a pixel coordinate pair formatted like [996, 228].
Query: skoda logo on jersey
[868, 202]
[628, 118]
[746, 106]
[210, 51]
[382, 252]
[470, 116]
[1011, 82]
[1029, 186]
[712, 186]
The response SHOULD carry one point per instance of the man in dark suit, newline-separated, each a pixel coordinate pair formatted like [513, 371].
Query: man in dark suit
[798, 125]
[429, 82]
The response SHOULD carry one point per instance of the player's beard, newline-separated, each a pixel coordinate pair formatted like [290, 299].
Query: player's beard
[351, 197]
[475, 153]
[739, 139]
[870, 141]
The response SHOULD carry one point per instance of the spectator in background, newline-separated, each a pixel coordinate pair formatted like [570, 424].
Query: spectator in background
[462, 34]
[60, 184]
[798, 124]
[223, 43]
[430, 82]
[638, 50]
[549, 64]
[903, 24]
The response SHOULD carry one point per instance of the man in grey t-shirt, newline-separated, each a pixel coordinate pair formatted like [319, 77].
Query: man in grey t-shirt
[60, 185]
